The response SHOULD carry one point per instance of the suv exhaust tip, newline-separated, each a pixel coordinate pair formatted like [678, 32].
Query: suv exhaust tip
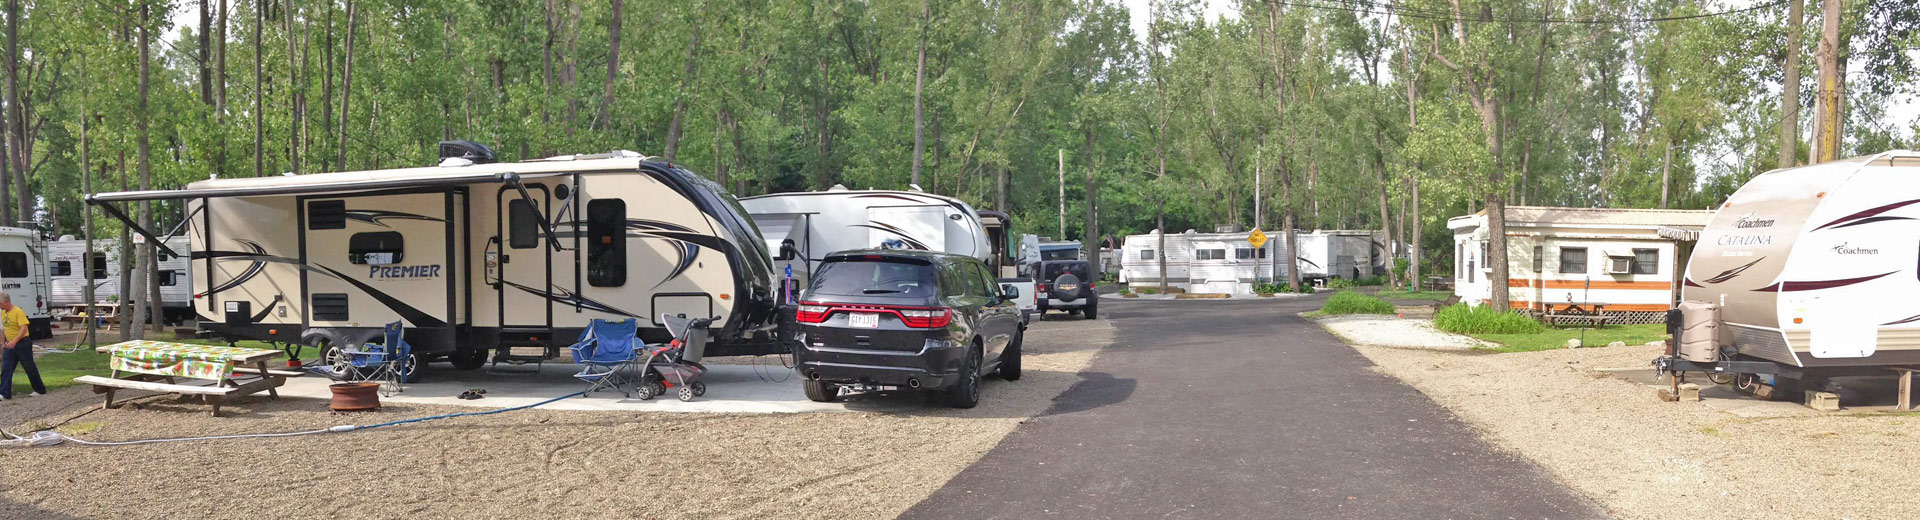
[814, 376]
[913, 383]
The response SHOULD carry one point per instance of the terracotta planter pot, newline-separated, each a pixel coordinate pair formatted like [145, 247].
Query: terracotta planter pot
[354, 397]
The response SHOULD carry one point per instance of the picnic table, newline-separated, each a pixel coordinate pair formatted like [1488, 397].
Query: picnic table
[108, 314]
[144, 365]
[1591, 313]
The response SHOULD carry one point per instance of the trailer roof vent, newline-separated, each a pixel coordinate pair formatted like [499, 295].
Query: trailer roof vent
[464, 153]
[838, 187]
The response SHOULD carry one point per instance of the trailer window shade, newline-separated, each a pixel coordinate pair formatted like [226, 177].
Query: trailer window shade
[13, 265]
[1210, 254]
[1573, 260]
[1146, 254]
[523, 226]
[169, 277]
[607, 243]
[327, 214]
[1262, 252]
[376, 248]
[1646, 261]
[1539, 258]
[60, 268]
[1243, 253]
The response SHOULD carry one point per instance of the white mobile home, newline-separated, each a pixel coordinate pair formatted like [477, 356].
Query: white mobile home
[802, 228]
[67, 276]
[1585, 256]
[474, 256]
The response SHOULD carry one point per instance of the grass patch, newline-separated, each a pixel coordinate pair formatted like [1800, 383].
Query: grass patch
[59, 370]
[1462, 319]
[1437, 296]
[1557, 338]
[1349, 302]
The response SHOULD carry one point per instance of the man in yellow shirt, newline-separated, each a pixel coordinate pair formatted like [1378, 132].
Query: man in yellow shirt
[16, 348]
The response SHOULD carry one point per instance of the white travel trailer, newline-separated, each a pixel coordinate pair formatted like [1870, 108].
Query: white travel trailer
[802, 228]
[1226, 263]
[475, 257]
[1342, 253]
[1140, 259]
[23, 275]
[1804, 274]
[67, 278]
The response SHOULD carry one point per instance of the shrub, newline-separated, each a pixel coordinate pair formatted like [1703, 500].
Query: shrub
[1124, 290]
[1369, 281]
[1340, 283]
[1400, 266]
[1461, 319]
[1270, 287]
[1349, 302]
[1147, 290]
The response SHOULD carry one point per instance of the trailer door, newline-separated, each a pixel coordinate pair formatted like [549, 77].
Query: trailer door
[920, 227]
[517, 254]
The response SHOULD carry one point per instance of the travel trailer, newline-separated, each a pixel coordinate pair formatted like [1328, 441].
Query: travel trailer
[23, 275]
[1612, 258]
[1224, 263]
[1140, 259]
[67, 278]
[1801, 275]
[1342, 253]
[475, 257]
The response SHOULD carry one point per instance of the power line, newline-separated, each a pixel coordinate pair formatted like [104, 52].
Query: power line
[1369, 7]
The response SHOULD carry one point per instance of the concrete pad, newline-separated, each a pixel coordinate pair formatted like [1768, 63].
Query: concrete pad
[762, 388]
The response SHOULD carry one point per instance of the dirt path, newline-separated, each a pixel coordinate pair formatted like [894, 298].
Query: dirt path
[1640, 458]
[535, 464]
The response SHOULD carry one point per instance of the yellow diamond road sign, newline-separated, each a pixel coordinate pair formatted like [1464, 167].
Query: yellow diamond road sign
[1257, 238]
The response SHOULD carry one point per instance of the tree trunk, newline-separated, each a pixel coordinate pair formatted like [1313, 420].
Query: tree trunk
[919, 86]
[1160, 224]
[126, 259]
[613, 68]
[88, 338]
[1790, 90]
[1828, 117]
[297, 107]
[346, 87]
[1666, 175]
[680, 97]
[1413, 264]
[326, 91]
[204, 56]
[16, 154]
[259, 92]
[220, 91]
[142, 144]
[1386, 219]
[1090, 235]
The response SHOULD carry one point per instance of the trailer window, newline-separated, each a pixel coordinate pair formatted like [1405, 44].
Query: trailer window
[99, 265]
[13, 265]
[1243, 253]
[523, 228]
[169, 277]
[1573, 260]
[607, 242]
[60, 268]
[1210, 254]
[1539, 260]
[1646, 261]
[327, 214]
[376, 248]
[1146, 254]
[1459, 250]
[1263, 252]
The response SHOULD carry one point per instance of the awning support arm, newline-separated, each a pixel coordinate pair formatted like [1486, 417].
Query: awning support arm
[545, 226]
[116, 213]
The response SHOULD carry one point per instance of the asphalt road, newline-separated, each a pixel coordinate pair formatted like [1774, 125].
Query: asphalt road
[1240, 409]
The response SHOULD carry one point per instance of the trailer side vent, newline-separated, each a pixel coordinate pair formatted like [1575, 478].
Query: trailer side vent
[330, 306]
[327, 214]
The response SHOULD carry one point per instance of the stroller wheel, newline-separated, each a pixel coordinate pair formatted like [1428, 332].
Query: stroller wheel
[659, 388]
[686, 393]
[644, 392]
[699, 388]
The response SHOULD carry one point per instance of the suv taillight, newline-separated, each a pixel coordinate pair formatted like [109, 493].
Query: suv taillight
[926, 318]
[810, 313]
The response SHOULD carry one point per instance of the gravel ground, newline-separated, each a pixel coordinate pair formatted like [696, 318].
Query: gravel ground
[533, 464]
[1640, 458]
[1387, 331]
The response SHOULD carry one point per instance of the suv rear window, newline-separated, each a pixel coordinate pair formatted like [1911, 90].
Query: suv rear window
[1054, 270]
[880, 276]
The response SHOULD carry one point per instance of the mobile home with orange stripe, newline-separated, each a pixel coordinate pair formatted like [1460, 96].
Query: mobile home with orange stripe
[1612, 258]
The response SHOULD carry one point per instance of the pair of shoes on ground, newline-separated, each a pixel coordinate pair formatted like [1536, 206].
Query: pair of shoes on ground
[9, 397]
[474, 393]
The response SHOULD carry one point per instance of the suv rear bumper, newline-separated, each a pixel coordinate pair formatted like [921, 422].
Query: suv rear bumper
[934, 367]
[1056, 303]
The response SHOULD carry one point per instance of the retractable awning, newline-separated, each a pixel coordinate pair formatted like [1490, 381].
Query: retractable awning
[1683, 234]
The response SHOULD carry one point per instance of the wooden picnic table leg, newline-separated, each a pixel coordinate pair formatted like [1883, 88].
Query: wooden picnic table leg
[271, 392]
[110, 375]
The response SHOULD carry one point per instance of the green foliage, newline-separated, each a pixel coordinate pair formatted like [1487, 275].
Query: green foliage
[1341, 283]
[1551, 338]
[1411, 295]
[1270, 287]
[1349, 302]
[1146, 290]
[1462, 319]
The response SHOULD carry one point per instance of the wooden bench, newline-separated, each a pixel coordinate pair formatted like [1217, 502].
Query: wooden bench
[212, 395]
[1595, 316]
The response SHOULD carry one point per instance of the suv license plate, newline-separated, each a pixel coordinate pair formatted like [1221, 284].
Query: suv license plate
[865, 320]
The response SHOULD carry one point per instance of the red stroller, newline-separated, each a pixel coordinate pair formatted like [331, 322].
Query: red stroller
[676, 365]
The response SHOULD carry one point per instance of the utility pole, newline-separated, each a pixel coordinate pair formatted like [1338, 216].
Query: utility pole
[1827, 118]
[1063, 194]
[1790, 90]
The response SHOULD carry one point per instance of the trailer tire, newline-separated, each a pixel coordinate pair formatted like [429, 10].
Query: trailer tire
[821, 391]
[468, 358]
[411, 367]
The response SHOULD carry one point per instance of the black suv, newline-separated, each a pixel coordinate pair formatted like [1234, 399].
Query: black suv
[1067, 285]
[890, 319]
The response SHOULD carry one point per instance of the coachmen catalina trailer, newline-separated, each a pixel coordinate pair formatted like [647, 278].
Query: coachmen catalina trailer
[474, 256]
[67, 278]
[23, 275]
[1806, 273]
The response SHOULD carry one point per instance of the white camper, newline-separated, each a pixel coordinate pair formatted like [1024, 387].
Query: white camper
[1610, 258]
[23, 275]
[802, 228]
[1221, 263]
[67, 276]
[1140, 259]
[1804, 273]
[475, 257]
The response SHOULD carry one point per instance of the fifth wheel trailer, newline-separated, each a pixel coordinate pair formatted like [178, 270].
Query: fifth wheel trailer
[475, 257]
[1804, 273]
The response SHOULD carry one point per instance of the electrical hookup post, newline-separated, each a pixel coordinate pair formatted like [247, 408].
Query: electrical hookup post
[789, 290]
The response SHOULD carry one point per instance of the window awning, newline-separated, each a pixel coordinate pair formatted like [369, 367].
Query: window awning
[1683, 234]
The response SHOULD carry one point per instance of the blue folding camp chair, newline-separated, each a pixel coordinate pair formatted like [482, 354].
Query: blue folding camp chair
[389, 362]
[605, 353]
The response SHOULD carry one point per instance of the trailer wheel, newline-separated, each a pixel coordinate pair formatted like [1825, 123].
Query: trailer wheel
[468, 358]
[410, 368]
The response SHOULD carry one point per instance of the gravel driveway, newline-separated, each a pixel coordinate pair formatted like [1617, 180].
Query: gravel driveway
[535, 463]
[1388, 331]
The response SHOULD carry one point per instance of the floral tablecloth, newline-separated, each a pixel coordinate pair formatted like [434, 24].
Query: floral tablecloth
[177, 359]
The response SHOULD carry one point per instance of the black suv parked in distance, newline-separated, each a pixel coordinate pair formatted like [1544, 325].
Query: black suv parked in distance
[890, 319]
[1067, 285]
